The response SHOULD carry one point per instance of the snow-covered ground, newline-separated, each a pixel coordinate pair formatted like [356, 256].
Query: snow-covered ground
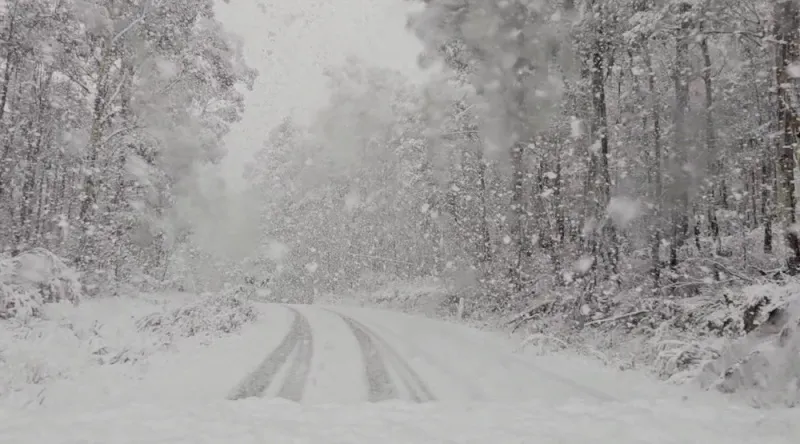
[277, 421]
[479, 391]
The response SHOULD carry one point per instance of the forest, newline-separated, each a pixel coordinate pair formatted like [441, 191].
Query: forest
[619, 164]
[586, 148]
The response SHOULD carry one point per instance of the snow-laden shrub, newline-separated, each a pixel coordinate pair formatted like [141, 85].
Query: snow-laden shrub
[733, 340]
[211, 314]
[33, 278]
[66, 339]
[765, 371]
[704, 337]
[764, 364]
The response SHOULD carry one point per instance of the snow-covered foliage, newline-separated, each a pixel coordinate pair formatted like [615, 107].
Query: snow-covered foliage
[66, 340]
[34, 278]
[764, 364]
[734, 340]
[211, 314]
[332, 195]
[106, 111]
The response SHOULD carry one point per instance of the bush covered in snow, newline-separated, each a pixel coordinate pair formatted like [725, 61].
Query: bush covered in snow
[212, 314]
[733, 340]
[34, 278]
[65, 340]
[764, 363]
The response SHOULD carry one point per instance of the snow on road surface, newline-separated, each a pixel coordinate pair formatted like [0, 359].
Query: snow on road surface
[398, 357]
[309, 374]
[284, 422]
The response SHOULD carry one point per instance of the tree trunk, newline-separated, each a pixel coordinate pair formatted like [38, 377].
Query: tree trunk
[656, 173]
[717, 179]
[604, 246]
[788, 52]
[485, 255]
[681, 181]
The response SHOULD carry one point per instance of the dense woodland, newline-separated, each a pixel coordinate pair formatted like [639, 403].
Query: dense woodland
[579, 148]
[624, 165]
[107, 108]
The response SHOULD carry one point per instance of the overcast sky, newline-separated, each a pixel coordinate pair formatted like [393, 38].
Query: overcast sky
[291, 42]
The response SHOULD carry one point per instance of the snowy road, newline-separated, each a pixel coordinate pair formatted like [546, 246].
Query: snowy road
[370, 376]
[344, 355]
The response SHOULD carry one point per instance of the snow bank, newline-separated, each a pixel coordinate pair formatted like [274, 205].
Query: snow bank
[65, 341]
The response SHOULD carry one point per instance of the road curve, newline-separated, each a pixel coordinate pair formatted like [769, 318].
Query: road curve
[376, 356]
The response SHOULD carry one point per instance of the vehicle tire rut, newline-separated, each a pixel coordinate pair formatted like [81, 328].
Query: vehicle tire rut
[475, 391]
[297, 376]
[380, 386]
[378, 356]
[259, 380]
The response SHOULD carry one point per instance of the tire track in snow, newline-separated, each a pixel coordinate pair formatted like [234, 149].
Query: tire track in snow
[411, 379]
[259, 380]
[474, 390]
[378, 380]
[295, 383]
[377, 354]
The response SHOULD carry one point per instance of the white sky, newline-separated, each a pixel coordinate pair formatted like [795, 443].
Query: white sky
[291, 42]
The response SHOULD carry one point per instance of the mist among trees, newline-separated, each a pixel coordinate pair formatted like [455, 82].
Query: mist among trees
[107, 110]
[625, 165]
[576, 150]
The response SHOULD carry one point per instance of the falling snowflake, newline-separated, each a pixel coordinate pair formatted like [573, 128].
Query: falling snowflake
[584, 264]
[576, 127]
[793, 70]
[622, 210]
